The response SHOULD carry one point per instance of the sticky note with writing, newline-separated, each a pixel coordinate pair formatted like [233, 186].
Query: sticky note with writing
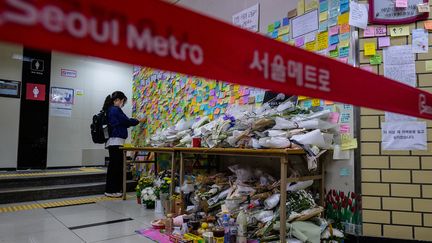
[369, 32]
[323, 16]
[399, 30]
[380, 30]
[428, 25]
[384, 41]
[401, 3]
[376, 60]
[343, 52]
[334, 30]
[322, 40]
[369, 48]
[316, 102]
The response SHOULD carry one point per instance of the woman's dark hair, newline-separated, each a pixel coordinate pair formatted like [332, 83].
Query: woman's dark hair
[109, 100]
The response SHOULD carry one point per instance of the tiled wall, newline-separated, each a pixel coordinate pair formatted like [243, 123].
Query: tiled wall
[396, 185]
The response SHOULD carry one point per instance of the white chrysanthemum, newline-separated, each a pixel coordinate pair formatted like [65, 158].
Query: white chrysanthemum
[146, 198]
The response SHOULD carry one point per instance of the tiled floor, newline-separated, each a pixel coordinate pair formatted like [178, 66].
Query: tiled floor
[74, 224]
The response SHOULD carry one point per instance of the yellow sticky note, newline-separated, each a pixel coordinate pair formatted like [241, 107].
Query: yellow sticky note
[348, 142]
[291, 42]
[323, 16]
[284, 30]
[311, 46]
[316, 102]
[399, 30]
[322, 41]
[300, 7]
[300, 98]
[428, 65]
[312, 5]
[369, 48]
[343, 18]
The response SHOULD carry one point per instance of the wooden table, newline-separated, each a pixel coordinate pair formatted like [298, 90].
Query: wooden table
[282, 154]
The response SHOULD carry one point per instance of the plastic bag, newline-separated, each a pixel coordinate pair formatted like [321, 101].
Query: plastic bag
[275, 142]
[283, 124]
[301, 185]
[314, 137]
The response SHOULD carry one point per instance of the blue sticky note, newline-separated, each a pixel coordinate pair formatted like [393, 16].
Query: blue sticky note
[275, 34]
[307, 103]
[344, 172]
[285, 38]
[323, 26]
[277, 24]
[344, 36]
[334, 40]
[323, 6]
[259, 98]
[285, 21]
[333, 13]
[334, 4]
[332, 21]
[344, 1]
[344, 52]
[199, 99]
[344, 8]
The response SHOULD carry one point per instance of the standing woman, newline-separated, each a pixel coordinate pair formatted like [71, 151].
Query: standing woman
[118, 124]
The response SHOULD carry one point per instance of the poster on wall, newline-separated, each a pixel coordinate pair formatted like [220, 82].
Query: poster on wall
[387, 12]
[10, 88]
[304, 24]
[404, 135]
[247, 18]
[61, 101]
[35, 92]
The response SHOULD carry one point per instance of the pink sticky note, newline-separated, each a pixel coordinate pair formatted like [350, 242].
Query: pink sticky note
[343, 59]
[334, 117]
[345, 128]
[332, 47]
[380, 30]
[401, 3]
[369, 32]
[384, 41]
[367, 68]
[299, 41]
[334, 30]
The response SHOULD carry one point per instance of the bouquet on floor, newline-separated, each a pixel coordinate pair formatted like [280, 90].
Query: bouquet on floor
[148, 197]
[144, 182]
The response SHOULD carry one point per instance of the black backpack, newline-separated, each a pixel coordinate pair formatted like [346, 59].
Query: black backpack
[99, 128]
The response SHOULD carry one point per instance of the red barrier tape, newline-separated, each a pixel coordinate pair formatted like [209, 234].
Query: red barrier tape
[157, 34]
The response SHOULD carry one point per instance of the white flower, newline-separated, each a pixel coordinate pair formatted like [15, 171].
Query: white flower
[146, 198]
[151, 192]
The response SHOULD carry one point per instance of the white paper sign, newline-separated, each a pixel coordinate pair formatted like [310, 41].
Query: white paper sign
[420, 41]
[391, 117]
[358, 16]
[248, 18]
[399, 64]
[60, 110]
[304, 24]
[404, 135]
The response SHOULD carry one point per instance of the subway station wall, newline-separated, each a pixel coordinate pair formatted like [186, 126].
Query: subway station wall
[69, 140]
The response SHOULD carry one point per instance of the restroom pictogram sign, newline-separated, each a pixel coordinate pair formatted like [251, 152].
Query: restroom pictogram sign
[35, 92]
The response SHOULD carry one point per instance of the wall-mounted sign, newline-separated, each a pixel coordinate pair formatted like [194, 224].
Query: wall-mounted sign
[62, 95]
[386, 12]
[10, 88]
[247, 18]
[69, 73]
[304, 24]
[35, 92]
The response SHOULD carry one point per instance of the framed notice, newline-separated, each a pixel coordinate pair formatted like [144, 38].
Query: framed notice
[62, 95]
[10, 88]
[386, 12]
[304, 24]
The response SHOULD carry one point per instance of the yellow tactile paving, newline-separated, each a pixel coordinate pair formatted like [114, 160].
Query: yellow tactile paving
[44, 173]
[67, 202]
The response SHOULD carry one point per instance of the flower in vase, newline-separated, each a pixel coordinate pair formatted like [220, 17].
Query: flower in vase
[350, 202]
[353, 195]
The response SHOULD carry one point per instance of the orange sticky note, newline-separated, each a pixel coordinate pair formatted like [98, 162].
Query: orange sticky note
[344, 28]
[428, 25]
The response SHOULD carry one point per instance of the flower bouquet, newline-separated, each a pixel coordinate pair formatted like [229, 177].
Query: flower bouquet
[148, 197]
[144, 182]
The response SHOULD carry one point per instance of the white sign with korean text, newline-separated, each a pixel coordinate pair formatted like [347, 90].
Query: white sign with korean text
[404, 136]
[304, 24]
[248, 18]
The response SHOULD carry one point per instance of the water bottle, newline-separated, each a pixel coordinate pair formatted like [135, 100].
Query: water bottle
[225, 224]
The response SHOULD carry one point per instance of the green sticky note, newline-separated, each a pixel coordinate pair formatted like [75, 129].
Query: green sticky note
[375, 60]
[334, 53]
[270, 27]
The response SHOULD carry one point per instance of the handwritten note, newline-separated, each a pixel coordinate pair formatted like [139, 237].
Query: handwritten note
[367, 68]
[344, 28]
[369, 31]
[283, 30]
[399, 64]
[322, 40]
[369, 48]
[334, 30]
[423, 8]
[323, 26]
[420, 41]
[399, 30]
[323, 6]
[344, 43]
[344, 18]
[300, 41]
[376, 60]
[383, 41]
[323, 16]
[311, 46]
[344, 52]
[401, 3]
[333, 117]
[358, 15]
[344, 128]
[334, 39]
[380, 30]
[316, 102]
[310, 37]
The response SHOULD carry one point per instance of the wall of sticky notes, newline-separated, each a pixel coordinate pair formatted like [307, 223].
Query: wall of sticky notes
[163, 98]
[414, 36]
